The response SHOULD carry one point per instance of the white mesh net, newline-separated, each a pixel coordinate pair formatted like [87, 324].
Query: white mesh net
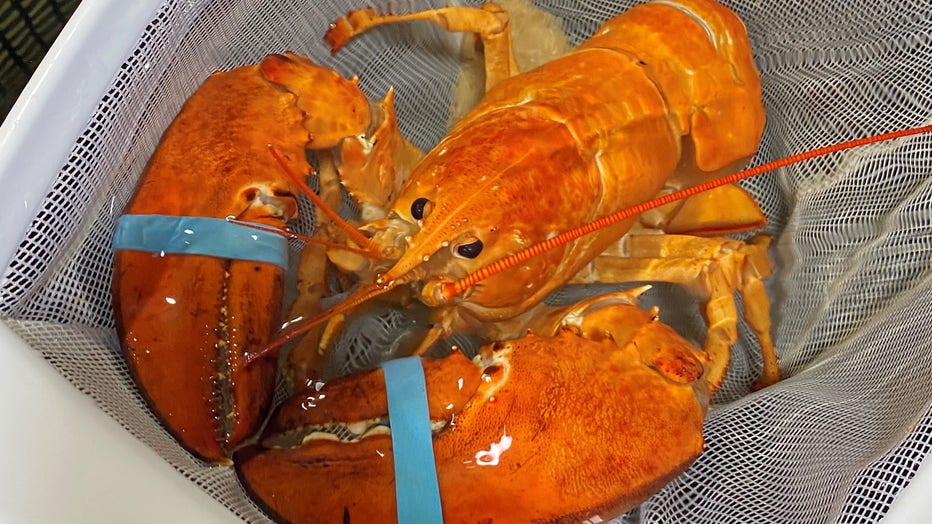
[835, 441]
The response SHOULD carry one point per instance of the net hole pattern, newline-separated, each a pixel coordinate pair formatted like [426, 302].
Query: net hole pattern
[852, 242]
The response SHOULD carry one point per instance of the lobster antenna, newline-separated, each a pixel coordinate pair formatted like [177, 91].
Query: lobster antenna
[353, 234]
[448, 290]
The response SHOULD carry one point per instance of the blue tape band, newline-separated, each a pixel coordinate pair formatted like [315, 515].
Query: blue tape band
[416, 489]
[215, 237]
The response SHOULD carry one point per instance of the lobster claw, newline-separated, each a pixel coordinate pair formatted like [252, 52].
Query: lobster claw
[185, 321]
[186, 350]
[589, 424]
[298, 75]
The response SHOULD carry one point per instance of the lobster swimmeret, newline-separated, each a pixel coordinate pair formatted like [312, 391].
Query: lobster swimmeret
[603, 405]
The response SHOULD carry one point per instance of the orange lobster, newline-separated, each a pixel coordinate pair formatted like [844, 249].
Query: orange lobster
[559, 146]
[543, 153]
[603, 148]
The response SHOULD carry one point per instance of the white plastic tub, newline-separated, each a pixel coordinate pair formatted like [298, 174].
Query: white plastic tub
[65, 459]
[68, 461]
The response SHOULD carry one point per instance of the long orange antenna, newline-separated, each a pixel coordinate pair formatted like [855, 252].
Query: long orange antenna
[449, 290]
[353, 234]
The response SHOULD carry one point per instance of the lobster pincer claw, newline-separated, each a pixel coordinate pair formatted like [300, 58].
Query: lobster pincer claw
[551, 428]
[187, 321]
[318, 90]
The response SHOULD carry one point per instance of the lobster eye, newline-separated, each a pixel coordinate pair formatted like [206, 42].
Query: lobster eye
[470, 250]
[418, 207]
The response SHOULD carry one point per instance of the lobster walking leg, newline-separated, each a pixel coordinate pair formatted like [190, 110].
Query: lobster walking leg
[490, 23]
[305, 358]
[712, 269]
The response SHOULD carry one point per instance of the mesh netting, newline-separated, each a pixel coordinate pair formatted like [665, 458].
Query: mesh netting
[835, 441]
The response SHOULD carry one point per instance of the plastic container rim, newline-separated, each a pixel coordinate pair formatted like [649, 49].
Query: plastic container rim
[39, 133]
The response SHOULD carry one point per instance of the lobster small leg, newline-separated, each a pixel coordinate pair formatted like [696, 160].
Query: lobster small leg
[305, 359]
[373, 168]
[712, 269]
[490, 23]
[757, 309]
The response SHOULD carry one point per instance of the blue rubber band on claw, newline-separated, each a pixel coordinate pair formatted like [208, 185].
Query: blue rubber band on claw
[215, 237]
[417, 492]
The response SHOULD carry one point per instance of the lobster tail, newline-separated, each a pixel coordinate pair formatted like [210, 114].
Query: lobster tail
[698, 55]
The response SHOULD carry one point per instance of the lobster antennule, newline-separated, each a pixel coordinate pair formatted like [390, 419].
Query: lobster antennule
[299, 327]
[448, 290]
[350, 231]
[298, 236]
